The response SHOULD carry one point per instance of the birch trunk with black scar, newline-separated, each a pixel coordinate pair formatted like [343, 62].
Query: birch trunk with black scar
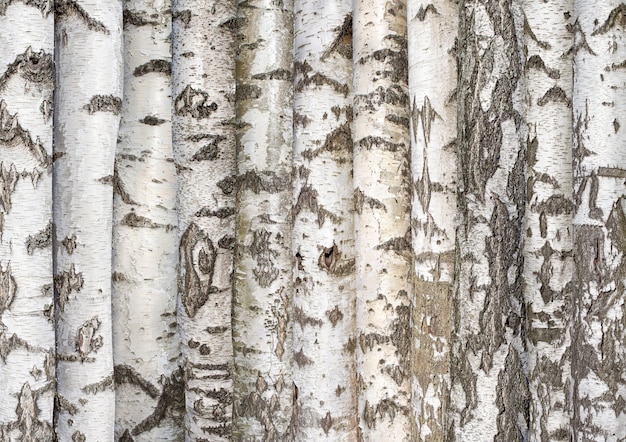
[263, 286]
[548, 261]
[598, 332]
[148, 382]
[489, 395]
[323, 231]
[204, 150]
[87, 107]
[432, 32]
[27, 375]
[382, 220]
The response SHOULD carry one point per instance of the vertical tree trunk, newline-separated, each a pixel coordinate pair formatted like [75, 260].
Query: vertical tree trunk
[27, 375]
[490, 397]
[382, 219]
[148, 381]
[323, 232]
[548, 261]
[432, 32]
[87, 107]
[263, 269]
[598, 356]
[204, 150]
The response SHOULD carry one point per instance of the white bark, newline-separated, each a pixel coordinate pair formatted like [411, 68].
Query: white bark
[323, 231]
[27, 375]
[382, 219]
[148, 382]
[263, 285]
[87, 106]
[432, 31]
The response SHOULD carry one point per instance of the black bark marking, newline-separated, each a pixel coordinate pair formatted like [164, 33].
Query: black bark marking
[45, 6]
[394, 95]
[69, 243]
[86, 340]
[154, 66]
[104, 103]
[77, 436]
[137, 18]
[228, 185]
[227, 242]
[125, 374]
[265, 272]
[8, 179]
[12, 134]
[326, 423]
[379, 142]
[278, 74]
[151, 120]
[512, 398]
[264, 181]
[342, 44]
[34, 67]
[247, 92]
[423, 11]
[386, 409]
[184, 16]
[394, 61]
[106, 383]
[555, 205]
[361, 200]
[221, 213]
[329, 258]
[8, 287]
[194, 103]
[536, 62]
[616, 225]
[554, 94]
[131, 219]
[339, 140]
[108, 180]
[209, 152]
[281, 313]
[40, 240]
[617, 17]
[300, 120]
[63, 404]
[529, 32]
[303, 319]
[334, 316]
[301, 359]
[119, 188]
[65, 283]
[317, 79]
[616, 125]
[197, 265]
[427, 114]
[580, 40]
[307, 199]
[423, 186]
[71, 8]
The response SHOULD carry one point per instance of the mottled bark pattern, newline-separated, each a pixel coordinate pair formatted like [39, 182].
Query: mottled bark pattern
[489, 349]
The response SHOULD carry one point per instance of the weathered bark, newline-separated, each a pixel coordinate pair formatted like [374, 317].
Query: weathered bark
[382, 219]
[27, 375]
[598, 332]
[263, 287]
[87, 107]
[548, 261]
[323, 231]
[204, 150]
[148, 382]
[490, 396]
[432, 32]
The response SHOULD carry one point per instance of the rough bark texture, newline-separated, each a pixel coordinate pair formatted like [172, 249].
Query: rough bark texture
[148, 382]
[204, 150]
[432, 32]
[27, 375]
[598, 329]
[323, 232]
[382, 219]
[490, 396]
[548, 260]
[263, 287]
[87, 107]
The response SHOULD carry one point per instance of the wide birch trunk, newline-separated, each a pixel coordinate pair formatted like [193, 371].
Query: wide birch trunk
[323, 231]
[88, 102]
[27, 372]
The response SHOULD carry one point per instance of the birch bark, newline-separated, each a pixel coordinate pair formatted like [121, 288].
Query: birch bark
[27, 375]
[204, 151]
[382, 219]
[87, 107]
[148, 381]
[323, 231]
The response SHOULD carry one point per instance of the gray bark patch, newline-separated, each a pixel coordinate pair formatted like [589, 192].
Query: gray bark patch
[197, 265]
[154, 66]
[104, 103]
[40, 240]
[194, 103]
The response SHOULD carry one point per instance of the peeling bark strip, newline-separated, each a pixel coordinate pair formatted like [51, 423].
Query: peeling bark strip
[598, 350]
[204, 153]
[86, 127]
[382, 204]
[262, 312]
[489, 350]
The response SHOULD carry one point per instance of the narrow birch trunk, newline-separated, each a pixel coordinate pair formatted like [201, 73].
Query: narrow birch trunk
[263, 287]
[27, 375]
[87, 107]
[548, 261]
[204, 151]
[148, 381]
[382, 219]
[598, 333]
[323, 231]
[432, 32]
[490, 396]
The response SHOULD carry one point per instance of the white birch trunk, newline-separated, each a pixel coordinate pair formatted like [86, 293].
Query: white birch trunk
[598, 333]
[382, 219]
[432, 31]
[323, 231]
[148, 381]
[87, 107]
[548, 261]
[27, 375]
[204, 151]
[263, 286]
[490, 396]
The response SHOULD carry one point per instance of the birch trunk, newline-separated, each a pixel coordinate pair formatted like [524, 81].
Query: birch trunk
[432, 32]
[263, 268]
[598, 356]
[548, 261]
[382, 220]
[27, 375]
[87, 107]
[323, 231]
[490, 396]
[148, 381]
[204, 150]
